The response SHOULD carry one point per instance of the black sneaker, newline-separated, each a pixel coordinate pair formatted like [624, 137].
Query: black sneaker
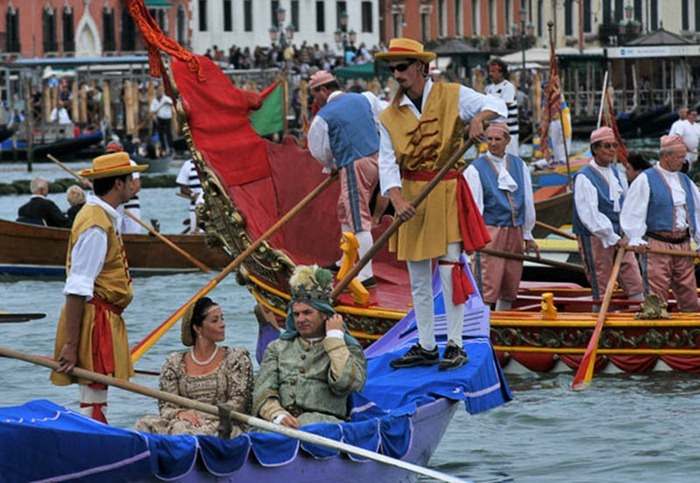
[416, 356]
[454, 357]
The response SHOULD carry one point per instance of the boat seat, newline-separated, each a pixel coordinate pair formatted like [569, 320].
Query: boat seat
[31, 221]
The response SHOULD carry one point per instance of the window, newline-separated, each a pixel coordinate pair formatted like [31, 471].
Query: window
[295, 14]
[654, 15]
[638, 10]
[397, 24]
[476, 17]
[248, 15]
[442, 18]
[619, 10]
[425, 26]
[68, 31]
[341, 8]
[108, 41]
[493, 26]
[12, 30]
[697, 15]
[273, 12]
[228, 21]
[607, 11]
[367, 19]
[181, 25]
[587, 27]
[458, 17]
[128, 37]
[568, 18]
[49, 30]
[540, 18]
[202, 4]
[320, 16]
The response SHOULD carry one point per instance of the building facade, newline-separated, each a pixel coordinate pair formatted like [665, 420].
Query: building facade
[251, 23]
[82, 28]
[46, 28]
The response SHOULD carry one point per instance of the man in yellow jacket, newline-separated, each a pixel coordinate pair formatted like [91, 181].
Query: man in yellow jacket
[91, 332]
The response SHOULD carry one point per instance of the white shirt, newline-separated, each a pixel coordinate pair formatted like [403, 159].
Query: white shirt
[675, 126]
[690, 132]
[586, 203]
[471, 103]
[89, 252]
[163, 107]
[318, 139]
[633, 218]
[472, 176]
[504, 89]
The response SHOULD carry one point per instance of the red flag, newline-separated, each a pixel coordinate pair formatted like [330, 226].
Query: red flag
[552, 101]
[609, 120]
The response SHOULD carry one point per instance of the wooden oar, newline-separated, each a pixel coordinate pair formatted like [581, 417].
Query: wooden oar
[6, 317]
[660, 251]
[165, 240]
[150, 230]
[234, 415]
[139, 349]
[556, 230]
[584, 374]
[384, 237]
[529, 258]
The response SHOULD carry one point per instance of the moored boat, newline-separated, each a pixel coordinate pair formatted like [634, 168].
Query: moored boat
[62, 147]
[38, 250]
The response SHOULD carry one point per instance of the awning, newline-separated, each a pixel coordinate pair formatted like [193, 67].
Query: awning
[361, 71]
[158, 3]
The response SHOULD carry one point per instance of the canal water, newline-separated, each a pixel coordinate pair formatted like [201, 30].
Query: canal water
[625, 428]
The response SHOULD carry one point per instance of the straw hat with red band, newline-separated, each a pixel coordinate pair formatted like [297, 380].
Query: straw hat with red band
[405, 49]
[114, 164]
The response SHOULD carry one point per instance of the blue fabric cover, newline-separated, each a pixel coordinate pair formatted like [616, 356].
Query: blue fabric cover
[381, 419]
[41, 440]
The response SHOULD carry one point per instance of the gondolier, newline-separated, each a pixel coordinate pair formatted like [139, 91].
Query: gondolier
[502, 189]
[420, 131]
[599, 195]
[91, 332]
[343, 136]
[661, 212]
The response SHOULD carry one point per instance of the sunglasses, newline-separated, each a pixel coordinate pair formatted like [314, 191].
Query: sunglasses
[608, 145]
[399, 67]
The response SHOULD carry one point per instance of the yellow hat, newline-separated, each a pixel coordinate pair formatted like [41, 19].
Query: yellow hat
[113, 164]
[405, 49]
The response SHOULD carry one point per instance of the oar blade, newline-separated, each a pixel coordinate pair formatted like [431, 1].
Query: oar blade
[12, 318]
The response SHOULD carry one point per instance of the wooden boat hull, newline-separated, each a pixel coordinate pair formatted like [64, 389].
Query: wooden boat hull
[37, 250]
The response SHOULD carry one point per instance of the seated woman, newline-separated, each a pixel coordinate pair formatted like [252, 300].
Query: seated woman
[76, 199]
[206, 373]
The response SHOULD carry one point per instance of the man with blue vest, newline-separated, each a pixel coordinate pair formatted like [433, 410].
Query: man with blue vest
[661, 213]
[502, 189]
[344, 136]
[599, 195]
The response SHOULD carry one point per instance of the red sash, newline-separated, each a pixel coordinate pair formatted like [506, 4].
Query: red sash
[102, 349]
[471, 225]
[462, 287]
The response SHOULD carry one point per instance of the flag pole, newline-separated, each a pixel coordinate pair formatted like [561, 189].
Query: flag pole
[550, 26]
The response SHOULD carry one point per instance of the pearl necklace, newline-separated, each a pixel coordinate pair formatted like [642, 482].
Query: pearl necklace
[203, 363]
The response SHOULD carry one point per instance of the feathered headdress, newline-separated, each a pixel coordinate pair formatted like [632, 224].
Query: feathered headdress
[310, 283]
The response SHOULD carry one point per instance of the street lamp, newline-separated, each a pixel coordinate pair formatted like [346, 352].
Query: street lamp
[279, 28]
